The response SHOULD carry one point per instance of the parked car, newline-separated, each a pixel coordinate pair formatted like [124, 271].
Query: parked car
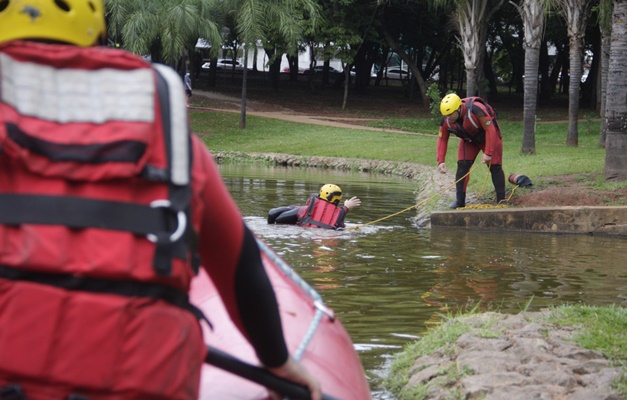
[395, 73]
[319, 69]
[287, 71]
[225, 64]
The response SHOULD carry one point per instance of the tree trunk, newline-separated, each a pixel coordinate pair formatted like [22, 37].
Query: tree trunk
[411, 64]
[616, 108]
[347, 79]
[242, 116]
[573, 91]
[605, 65]
[545, 82]
[532, 62]
[533, 14]
[469, 37]
[574, 12]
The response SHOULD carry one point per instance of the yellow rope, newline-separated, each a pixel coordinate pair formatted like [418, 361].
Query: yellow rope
[501, 204]
[485, 182]
[476, 206]
[418, 204]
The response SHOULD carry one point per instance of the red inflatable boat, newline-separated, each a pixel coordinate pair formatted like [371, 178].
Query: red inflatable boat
[315, 338]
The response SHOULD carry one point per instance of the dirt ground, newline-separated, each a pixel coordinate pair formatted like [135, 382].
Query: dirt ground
[321, 108]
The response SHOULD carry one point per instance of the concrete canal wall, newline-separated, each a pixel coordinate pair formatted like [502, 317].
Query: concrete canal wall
[588, 220]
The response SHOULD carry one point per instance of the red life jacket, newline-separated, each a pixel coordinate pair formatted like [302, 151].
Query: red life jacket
[321, 214]
[95, 170]
[468, 128]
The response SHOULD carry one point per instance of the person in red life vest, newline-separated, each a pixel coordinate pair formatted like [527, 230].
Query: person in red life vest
[474, 122]
[100, 209]
[321, 211]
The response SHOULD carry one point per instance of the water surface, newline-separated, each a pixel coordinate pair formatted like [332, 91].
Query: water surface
[390, 280]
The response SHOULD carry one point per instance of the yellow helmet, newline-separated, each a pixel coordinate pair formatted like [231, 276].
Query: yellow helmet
[79, 22]
[331, 193]
[450, 103]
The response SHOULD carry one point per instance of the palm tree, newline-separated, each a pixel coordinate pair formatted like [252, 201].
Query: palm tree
[169, 29]
[533, 13]
[166, 29]
[616, 106]
[471, 20]
[574, 12]
[257, 20]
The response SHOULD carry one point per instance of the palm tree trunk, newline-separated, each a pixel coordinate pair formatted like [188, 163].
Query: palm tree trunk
[616, 108]
[533, 15]
[532, 62]
[574, 12]
[469, 36]
[573, 91]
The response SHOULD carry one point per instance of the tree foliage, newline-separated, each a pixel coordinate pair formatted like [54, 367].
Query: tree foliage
[466, 46]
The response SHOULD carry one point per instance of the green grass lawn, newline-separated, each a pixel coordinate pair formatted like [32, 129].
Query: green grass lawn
[221, 132]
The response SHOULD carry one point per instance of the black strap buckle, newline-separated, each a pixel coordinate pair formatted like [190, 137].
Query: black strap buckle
[181, 219]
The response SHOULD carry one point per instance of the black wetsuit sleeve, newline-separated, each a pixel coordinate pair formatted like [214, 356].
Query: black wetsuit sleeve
[257, 305]
[283, 215]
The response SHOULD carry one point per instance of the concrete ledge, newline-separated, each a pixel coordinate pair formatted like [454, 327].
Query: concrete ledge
[589, 220]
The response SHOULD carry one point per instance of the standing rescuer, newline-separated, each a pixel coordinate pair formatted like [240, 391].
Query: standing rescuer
[474, 122]
[101, 208]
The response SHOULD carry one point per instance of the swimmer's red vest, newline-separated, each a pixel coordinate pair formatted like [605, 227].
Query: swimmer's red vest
[95, 171]
[321, 214]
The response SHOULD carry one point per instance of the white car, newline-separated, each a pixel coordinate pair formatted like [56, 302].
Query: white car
[395, 73]
[225, 64]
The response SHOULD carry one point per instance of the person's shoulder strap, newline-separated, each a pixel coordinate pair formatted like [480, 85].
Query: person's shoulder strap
[175, 124]
[177, 137]
[484, 105]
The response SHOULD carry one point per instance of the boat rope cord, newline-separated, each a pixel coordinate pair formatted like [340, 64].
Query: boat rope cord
[436, 195]
[321, 308]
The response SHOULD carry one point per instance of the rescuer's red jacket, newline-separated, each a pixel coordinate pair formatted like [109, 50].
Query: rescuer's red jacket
[103, 193]
[477, 127]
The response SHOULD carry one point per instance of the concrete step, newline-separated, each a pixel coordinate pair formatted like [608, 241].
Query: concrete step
[588, 220]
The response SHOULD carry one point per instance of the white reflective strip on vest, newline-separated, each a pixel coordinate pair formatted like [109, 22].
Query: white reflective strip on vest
[179, 131]
[77, 95]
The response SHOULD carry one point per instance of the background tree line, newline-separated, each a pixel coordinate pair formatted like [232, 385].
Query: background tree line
[475, 47]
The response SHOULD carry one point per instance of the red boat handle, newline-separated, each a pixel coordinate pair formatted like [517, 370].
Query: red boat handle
[259, 375]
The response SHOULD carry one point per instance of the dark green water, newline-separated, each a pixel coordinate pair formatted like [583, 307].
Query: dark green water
[388, 281]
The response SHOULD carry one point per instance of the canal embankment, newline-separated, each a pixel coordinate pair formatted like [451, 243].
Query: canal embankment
[611, 220]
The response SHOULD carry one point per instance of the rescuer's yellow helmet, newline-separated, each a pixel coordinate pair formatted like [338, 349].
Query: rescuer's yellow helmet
[331, 193]
[450, 103]
[79, 22]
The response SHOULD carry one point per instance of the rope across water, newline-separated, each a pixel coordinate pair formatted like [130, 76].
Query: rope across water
[476, 206]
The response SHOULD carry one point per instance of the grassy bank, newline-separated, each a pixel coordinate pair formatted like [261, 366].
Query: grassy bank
[221, 132]
[600, 329]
